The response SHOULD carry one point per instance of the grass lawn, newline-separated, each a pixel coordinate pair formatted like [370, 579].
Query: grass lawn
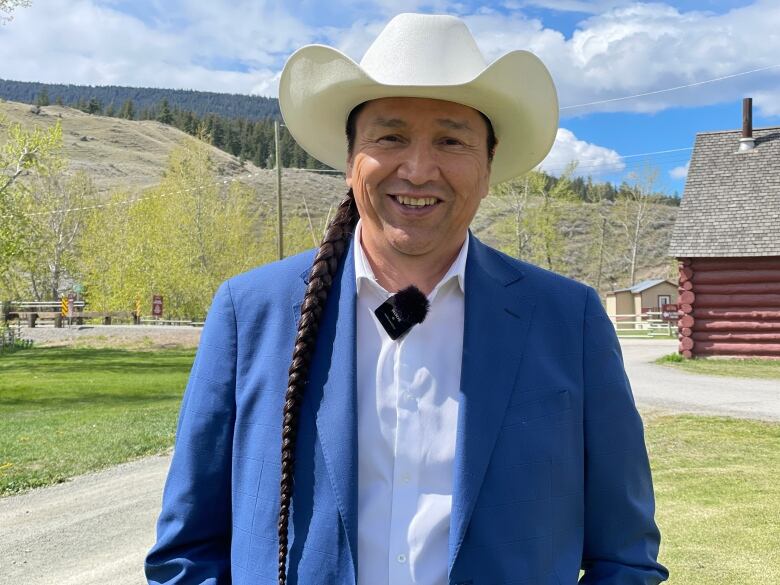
[66, 411]
[717, 484]
[737, 368]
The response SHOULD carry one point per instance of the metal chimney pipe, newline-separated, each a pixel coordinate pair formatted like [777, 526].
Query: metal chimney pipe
[747, 142]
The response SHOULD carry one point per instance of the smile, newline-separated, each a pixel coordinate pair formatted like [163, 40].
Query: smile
[415, 201]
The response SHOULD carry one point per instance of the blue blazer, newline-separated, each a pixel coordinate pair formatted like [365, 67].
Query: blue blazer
[551, 472]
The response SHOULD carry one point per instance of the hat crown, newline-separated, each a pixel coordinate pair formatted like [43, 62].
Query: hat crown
[424, 49]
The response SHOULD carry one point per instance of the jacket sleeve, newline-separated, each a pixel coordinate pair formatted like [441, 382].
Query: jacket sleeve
[621, 537]
[194, 526]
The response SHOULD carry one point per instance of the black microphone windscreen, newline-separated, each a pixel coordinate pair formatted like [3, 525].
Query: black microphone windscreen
[411, 304]
[402, 311]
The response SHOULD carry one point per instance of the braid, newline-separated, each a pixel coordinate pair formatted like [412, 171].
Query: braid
[321, 277]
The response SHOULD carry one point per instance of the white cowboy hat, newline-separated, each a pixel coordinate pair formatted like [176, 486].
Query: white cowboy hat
[430, 56]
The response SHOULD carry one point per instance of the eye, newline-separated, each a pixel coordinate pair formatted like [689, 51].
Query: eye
[389, 138]
[449, 141]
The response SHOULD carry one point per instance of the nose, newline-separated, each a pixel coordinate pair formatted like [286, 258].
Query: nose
[418, 163]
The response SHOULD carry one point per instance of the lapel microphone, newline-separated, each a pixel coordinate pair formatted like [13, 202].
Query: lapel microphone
[402, 311]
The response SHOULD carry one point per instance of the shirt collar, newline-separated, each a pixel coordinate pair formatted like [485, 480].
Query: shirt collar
[364, 273]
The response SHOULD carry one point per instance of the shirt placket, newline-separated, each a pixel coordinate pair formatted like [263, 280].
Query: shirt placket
[405, 473]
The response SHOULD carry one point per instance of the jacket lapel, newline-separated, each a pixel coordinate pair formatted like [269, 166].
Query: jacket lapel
[331, 392]
[499, 306]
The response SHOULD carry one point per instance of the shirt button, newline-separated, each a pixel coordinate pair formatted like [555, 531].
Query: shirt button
[401, 558]
[406, 478]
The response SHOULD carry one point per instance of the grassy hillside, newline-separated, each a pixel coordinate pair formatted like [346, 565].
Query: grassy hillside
[133, 154]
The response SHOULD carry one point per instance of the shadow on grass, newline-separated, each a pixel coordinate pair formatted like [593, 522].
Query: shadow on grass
[64, 360]
[94, 398]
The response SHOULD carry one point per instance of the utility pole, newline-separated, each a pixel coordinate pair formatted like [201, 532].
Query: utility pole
[601, 251]
[279, 228]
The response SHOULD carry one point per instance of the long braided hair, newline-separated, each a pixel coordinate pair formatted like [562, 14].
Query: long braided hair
[321, 276]
[323, 270]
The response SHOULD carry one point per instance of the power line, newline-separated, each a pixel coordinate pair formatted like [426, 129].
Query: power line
[668, 89]
[610, 166]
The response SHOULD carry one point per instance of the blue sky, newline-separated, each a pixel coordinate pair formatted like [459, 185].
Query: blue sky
[596, 50]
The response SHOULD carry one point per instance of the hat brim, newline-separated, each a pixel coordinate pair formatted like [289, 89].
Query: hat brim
[320, 85]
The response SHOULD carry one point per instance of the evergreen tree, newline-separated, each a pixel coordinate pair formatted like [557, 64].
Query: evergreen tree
[128, 110]
[165, 116]
[59, 101]
[43, 98]
[189, 124]
[94, 107]
[110, 110]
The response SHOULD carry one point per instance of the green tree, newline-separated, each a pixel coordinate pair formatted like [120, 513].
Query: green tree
[531, 207]
[634, 210]
[181, 239]
[128, 110]
[24, 151]
[164, 115]
[600, 253]
[94, 106]
[56, 204]
[42, 99]
[31, 185]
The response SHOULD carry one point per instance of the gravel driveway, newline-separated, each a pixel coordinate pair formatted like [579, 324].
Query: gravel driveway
[672, 389]
[96, 529]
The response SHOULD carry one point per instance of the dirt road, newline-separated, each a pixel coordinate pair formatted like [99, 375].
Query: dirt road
[96, 529]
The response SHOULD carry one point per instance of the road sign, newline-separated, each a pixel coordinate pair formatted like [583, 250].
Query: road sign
[157, 305]
[669, 312]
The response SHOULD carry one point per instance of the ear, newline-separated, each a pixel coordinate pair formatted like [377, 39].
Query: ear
[348, 172]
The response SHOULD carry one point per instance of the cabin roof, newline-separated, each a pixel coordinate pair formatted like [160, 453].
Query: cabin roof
[731, 202]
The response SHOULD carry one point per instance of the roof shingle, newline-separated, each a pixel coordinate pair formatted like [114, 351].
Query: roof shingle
[731, 204]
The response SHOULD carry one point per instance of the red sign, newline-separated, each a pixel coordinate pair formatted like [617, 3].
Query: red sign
[669, 312]
[157, 305]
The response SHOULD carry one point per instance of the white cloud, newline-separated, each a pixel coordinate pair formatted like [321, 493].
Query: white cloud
[213, 48]
[591, 159]
[638, 48]
[589, 7]
[645, 47]
[680, 172]
[622, 49]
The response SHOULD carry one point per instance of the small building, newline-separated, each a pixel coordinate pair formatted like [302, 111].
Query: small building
[629, 304]
[726, 239]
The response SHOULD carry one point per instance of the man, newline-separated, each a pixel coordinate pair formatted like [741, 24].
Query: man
[494, 442]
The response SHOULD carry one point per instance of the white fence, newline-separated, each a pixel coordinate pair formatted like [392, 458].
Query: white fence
[648, 324]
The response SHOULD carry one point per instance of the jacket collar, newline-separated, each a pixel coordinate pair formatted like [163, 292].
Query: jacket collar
[499, 306]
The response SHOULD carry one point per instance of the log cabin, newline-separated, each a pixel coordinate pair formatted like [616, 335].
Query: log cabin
[726, 239]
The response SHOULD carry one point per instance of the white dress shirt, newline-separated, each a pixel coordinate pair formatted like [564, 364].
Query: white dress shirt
[407, 398]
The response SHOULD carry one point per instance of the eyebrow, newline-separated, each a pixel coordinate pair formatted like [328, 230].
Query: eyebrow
[388, 122]
[453, 124]
[448, 123]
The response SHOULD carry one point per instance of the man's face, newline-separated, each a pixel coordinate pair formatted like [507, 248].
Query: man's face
[419, 169]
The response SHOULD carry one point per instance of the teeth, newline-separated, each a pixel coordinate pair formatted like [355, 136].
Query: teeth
[415, 201]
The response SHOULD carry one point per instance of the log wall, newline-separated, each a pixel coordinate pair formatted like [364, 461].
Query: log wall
[729, 307]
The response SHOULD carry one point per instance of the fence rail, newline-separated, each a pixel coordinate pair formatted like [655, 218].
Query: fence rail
[648, 324]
